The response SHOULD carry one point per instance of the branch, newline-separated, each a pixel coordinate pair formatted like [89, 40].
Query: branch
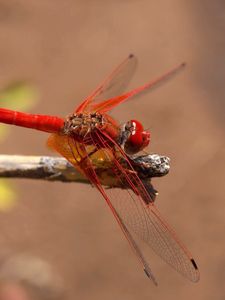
[59, 169]
[39, 167]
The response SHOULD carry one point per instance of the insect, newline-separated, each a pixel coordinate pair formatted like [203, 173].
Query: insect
[90, 134]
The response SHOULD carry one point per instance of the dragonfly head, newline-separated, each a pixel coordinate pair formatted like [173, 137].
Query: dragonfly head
[137, 139]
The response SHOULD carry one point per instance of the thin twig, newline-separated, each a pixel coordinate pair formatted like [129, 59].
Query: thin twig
[39, 167]
[59, 169]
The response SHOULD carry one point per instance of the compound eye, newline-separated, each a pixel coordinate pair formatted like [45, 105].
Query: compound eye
[138, 138]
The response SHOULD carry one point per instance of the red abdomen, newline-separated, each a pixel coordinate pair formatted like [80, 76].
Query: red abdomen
[45, 123]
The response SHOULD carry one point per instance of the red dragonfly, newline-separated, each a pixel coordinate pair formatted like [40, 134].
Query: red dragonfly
[90, 132]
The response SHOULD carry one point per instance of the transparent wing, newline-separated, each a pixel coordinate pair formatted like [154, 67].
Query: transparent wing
[141, 216]
[132, 207]
[108, 94]
[112, 86]
[107, 105]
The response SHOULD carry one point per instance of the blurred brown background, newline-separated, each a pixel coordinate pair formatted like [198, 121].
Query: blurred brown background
[66, 48]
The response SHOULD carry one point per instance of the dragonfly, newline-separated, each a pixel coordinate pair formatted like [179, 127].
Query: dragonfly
[91, 134]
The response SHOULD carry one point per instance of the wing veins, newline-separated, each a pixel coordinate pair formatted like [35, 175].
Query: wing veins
[174, 247]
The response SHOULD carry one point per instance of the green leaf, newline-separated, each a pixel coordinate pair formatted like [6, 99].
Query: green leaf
[19, 96]
[7, 196]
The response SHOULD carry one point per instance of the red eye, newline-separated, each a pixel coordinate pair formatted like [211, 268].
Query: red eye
[138, 139]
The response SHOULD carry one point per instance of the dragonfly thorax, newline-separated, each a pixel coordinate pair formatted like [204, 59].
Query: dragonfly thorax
[83, 123]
